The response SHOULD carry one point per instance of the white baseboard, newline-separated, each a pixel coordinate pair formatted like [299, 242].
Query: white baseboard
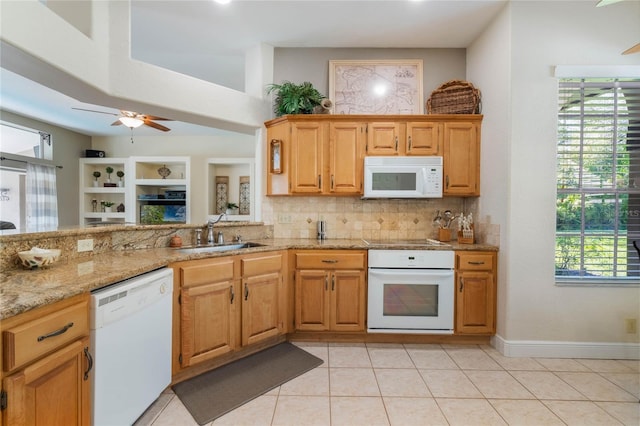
[555, 349]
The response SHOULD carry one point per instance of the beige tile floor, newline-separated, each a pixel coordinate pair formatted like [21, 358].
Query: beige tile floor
[393, 384]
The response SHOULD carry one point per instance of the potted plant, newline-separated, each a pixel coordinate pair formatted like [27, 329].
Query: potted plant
[120, 174]
[96, 175]
[107, 206]
[232, 208]
[109, 170]
[294, 98]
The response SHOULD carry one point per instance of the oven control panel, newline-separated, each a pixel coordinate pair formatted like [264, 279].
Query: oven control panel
[412, 259]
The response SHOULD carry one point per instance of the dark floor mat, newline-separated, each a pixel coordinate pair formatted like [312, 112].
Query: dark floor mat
[214, 393]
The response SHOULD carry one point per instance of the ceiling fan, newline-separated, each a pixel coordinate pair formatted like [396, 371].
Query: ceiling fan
[133, 119]
[632, 49]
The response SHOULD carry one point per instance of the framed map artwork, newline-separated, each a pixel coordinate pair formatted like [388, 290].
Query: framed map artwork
[376, 86]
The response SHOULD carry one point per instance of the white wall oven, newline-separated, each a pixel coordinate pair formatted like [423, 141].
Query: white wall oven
[410, 291]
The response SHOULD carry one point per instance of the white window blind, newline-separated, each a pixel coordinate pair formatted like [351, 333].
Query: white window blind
[598, 180]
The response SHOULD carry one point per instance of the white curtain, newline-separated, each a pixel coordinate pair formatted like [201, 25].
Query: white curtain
[42, 197]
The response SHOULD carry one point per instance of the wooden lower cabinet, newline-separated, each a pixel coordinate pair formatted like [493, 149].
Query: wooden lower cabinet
[208, 320]
[226, 303]
[330, 288]
[50, 386]
[263, 308]
[475, 292]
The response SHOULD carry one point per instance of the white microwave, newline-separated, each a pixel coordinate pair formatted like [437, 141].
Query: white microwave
[402, 177]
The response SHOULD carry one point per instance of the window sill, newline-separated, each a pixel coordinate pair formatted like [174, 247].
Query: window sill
[598, 282]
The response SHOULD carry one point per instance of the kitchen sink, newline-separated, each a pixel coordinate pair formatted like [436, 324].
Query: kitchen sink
[217, 247]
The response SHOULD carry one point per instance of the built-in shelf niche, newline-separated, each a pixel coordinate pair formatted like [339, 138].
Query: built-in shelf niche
[231, 180]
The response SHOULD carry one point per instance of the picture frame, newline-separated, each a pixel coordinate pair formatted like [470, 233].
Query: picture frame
[376, 86]
[275, 157]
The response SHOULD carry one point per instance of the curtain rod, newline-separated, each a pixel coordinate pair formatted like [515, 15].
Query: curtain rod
[31, 162]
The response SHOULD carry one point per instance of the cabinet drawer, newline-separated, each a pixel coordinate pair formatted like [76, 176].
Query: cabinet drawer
[28, 341]
[475, 261]
[262, 264]
[329, 259]
[207, 272]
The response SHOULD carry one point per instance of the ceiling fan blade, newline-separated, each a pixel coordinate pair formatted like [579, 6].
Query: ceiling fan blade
[116, 123]
[632, 49]
[156, 125]
[154, 118]
[92, 110]
[607, 2]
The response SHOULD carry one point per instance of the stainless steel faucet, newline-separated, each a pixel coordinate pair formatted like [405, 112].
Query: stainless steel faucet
[210, 223]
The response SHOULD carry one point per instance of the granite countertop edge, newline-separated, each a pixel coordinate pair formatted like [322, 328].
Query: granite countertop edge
[22, 290]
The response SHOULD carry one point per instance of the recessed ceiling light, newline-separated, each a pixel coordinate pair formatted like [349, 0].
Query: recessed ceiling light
[222, 1]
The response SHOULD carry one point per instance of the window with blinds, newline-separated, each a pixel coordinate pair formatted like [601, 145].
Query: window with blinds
[598, 181]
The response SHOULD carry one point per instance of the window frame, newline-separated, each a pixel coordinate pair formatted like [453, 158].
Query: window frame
[614, 191]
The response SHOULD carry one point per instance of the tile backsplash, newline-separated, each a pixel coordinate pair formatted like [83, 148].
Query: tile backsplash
[349, 217]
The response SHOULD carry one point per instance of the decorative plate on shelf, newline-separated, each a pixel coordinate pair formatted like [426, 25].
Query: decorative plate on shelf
[164, 171]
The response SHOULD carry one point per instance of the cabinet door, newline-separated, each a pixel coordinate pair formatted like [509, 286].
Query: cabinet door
[383, 138]
[461, 159]
[347, 300]
[260, 307]
[475, 302]
[423, 138]
[345, 158]
[307, 141]
[52, 391]
[311, 300]
[208, 326]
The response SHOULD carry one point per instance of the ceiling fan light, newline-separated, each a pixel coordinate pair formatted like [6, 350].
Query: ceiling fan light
[131, 122]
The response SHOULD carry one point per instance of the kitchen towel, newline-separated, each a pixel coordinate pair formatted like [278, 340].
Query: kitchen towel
[214, 393]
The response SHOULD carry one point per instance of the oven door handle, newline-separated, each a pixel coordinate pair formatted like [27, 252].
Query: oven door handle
[445, 273]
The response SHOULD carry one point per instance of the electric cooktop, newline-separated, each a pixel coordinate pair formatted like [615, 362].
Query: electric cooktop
[420, 242]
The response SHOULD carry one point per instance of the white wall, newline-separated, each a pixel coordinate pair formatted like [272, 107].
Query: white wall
[488, 68]
[538, 317]
[68, 146]
[312, 64]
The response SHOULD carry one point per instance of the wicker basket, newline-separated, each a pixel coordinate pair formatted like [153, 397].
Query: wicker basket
[454, 97]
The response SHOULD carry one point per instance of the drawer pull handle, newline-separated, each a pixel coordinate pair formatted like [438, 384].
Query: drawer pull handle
[89, 358]
[333, 283]
[233, 294]
[55, 333]
[476, 263]
[329, 261]
[246, 291]
[461, 284]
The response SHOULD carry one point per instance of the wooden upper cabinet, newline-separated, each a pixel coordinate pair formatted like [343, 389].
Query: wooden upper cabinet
[423, 138]
[324, 154]
[383, 138]
[461, 158]
[307, 157]
[345, 158]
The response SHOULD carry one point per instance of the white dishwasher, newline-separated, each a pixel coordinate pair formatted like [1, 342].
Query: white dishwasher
[131, 340]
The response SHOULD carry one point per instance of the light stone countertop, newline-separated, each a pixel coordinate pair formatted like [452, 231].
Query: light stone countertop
[22, 290]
